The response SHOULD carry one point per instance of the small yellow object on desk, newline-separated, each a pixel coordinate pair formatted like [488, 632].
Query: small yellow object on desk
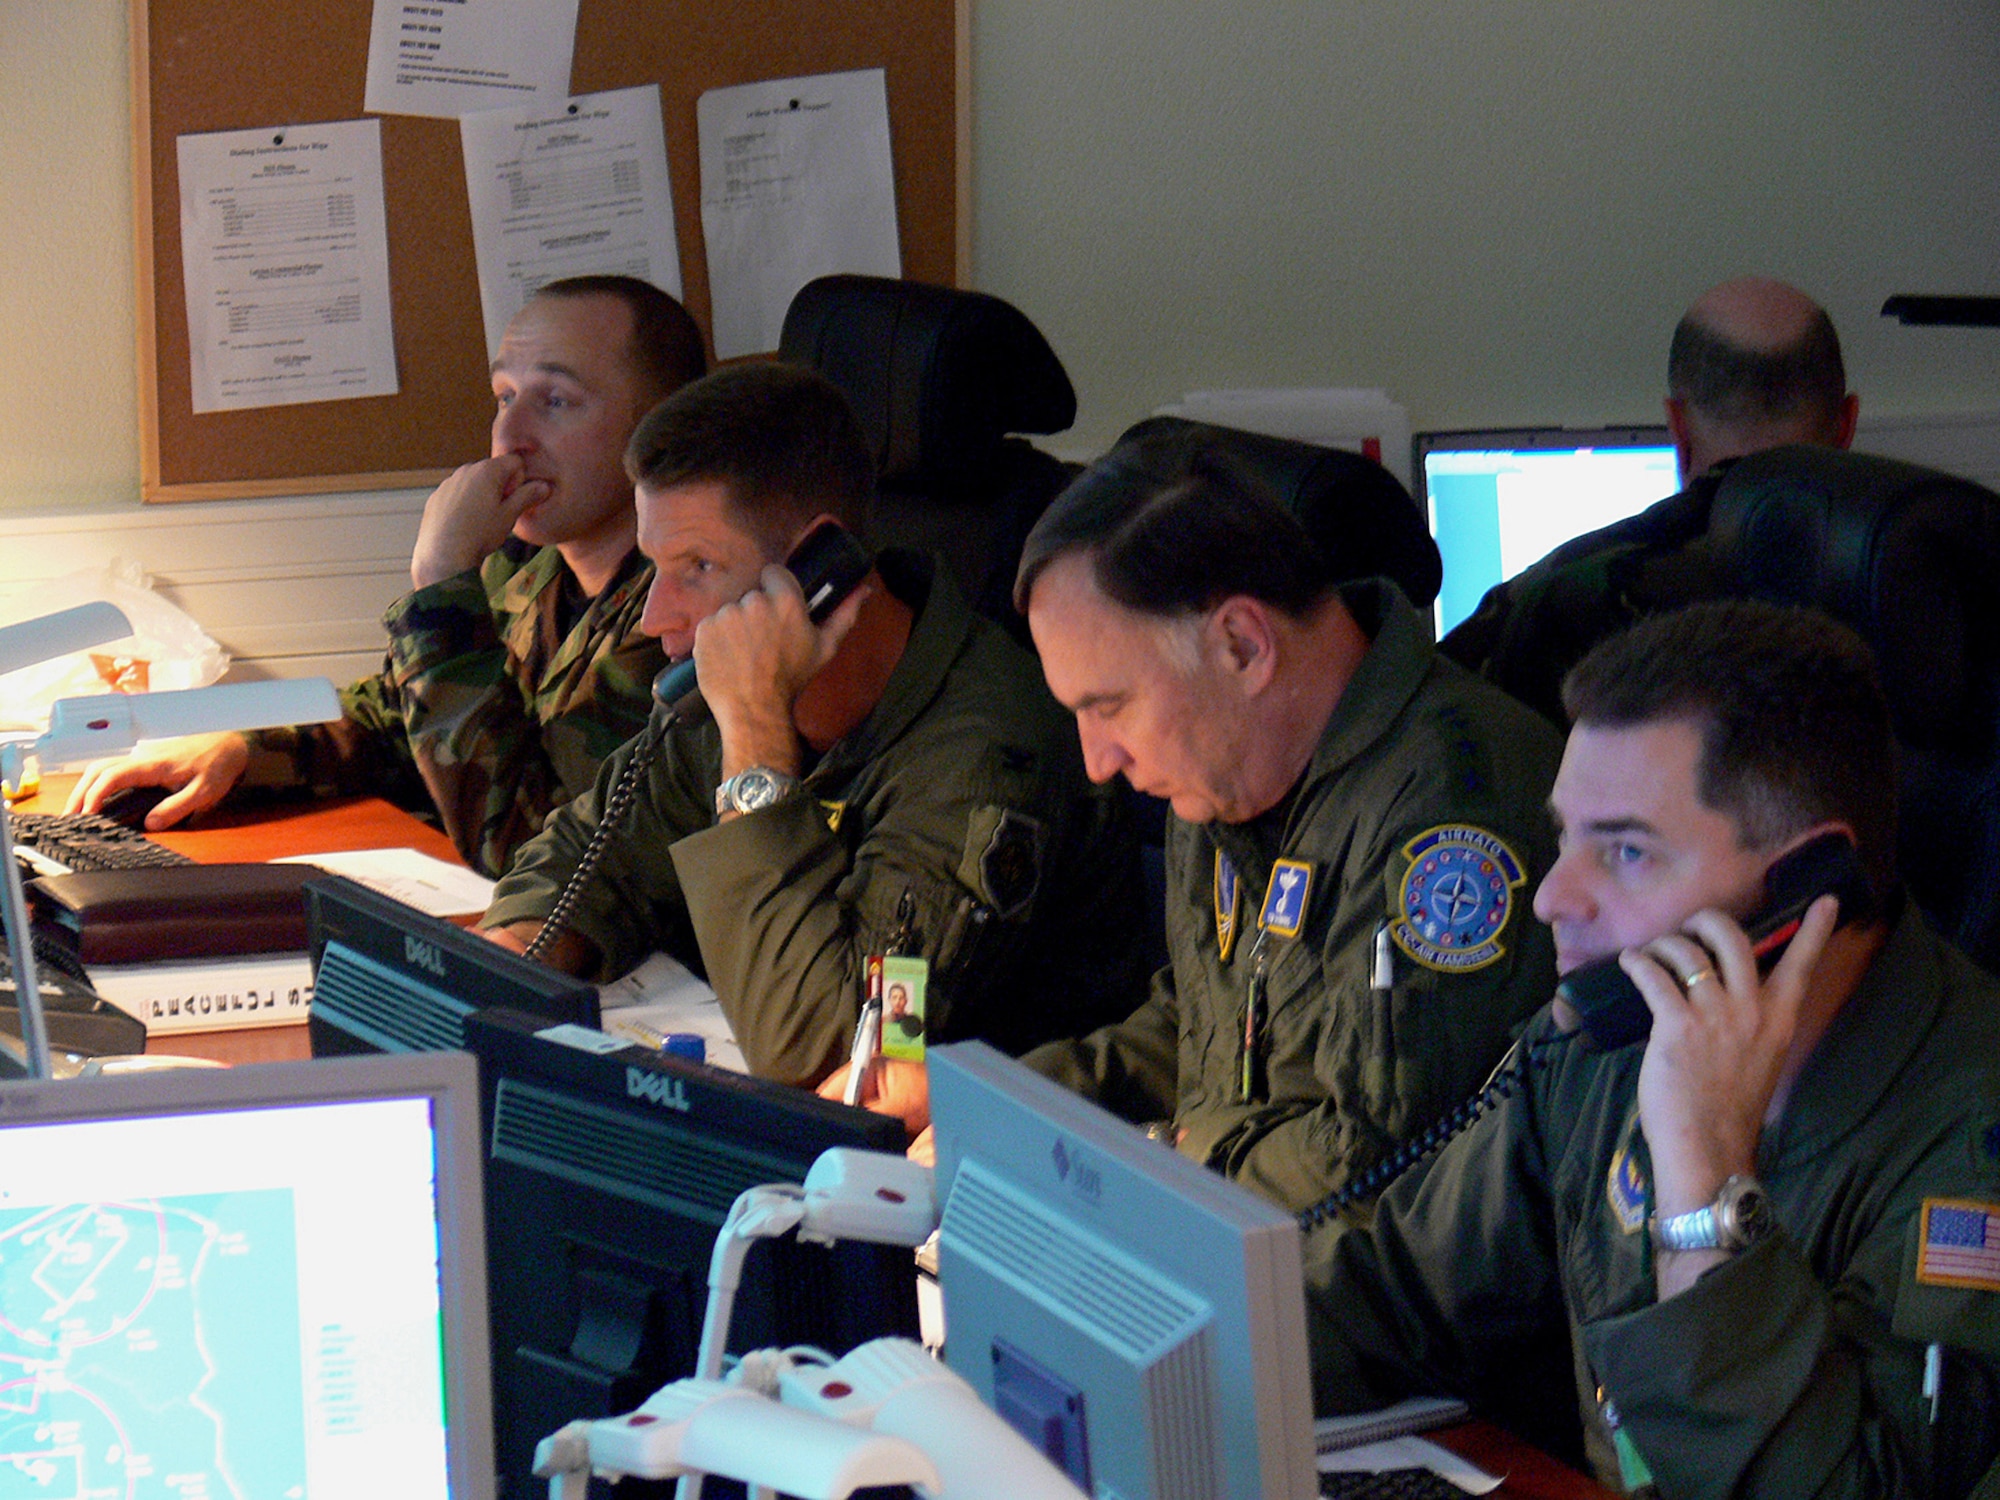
[31, 782]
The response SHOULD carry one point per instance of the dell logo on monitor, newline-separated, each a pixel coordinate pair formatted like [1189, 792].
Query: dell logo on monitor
[423, 955]
[660, 1088]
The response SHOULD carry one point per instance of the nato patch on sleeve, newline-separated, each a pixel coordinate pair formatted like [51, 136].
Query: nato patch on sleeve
[1003, 858]
[1456, 897]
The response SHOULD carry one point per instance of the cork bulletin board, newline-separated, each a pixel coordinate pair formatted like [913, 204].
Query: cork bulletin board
[205, 65]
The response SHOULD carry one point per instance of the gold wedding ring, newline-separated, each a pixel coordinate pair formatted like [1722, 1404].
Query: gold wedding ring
[1696, 978]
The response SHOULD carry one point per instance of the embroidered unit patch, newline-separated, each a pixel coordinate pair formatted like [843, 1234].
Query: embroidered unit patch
[1456, 898]
[1225, 904]
[1625, 1191]
[1958, 1244]
[1285, 899]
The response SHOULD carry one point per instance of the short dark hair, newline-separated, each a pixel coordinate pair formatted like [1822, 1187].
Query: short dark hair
[780, 437]
[1174, 524]
[1794, 727]
[1805, 380]
[666, 349]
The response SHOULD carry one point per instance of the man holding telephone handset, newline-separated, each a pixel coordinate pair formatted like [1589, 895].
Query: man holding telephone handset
[1765, 1237]
[890, 786]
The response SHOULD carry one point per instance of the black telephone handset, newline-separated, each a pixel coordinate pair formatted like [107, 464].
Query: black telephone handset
[829, 564]
[1614, 1014]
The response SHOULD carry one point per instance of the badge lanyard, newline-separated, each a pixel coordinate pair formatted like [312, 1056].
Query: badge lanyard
[1283, 914]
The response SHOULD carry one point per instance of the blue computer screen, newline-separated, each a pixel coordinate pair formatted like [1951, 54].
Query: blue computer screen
[239, 1286]
[1498, 501]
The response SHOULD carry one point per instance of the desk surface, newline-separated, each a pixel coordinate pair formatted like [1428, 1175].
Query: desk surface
[1527, 1473]
[272, 832]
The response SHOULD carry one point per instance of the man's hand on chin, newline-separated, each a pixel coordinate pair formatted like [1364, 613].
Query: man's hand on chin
[470, 515]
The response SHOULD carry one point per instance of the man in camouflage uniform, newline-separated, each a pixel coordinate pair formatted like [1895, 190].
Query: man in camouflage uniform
[1765, 1242]
[892, 782]
[516, 664]
[1354, 825]
[1755, 364]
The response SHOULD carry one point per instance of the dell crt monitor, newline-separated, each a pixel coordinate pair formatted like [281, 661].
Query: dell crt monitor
[247, 1281]
[1137, 1318]
[390, 978]
[609, 1169]
[1500, 500]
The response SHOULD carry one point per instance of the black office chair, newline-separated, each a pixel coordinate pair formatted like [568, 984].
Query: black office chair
[1910, 558]
[1363, 519]
[942, 381]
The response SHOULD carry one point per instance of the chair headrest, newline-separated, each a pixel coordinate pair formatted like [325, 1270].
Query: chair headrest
[1363, 519]
[1907, 556]
[938, 377]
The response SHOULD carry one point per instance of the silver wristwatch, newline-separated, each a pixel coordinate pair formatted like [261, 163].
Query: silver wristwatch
[1739, 1217]
[754, 787]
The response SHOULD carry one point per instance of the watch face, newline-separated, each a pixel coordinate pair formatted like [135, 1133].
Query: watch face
[755, 789]
[1745, 1216]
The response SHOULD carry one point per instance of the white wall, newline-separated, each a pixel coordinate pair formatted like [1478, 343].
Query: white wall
[67, 336]
[1493, 208]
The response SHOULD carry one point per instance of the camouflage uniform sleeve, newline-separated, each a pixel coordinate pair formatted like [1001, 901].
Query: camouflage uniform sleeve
[365, 751]
[632, 904]
[484, 742]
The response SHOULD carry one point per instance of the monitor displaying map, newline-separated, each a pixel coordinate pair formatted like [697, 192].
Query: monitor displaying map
[233, 1284]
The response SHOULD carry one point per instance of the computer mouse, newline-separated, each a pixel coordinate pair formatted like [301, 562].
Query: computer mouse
[129, 805]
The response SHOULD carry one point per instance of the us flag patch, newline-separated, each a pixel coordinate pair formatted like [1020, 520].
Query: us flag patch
[1958, 1244]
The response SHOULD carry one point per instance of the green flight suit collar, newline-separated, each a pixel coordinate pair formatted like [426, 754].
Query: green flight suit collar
[1866, 1049]
[1398, 659]
[937, 636]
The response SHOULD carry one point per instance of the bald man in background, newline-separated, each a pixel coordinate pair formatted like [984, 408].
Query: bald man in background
[1755, 364]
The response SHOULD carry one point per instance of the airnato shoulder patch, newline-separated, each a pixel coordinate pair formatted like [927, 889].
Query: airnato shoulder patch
[1456, 897]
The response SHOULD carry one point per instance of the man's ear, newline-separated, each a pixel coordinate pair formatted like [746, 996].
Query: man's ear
[1677, 426]
[1242, 643]
[1850, 416]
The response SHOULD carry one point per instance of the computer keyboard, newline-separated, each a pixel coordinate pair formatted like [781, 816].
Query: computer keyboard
[1389, 1484]
[89, 841]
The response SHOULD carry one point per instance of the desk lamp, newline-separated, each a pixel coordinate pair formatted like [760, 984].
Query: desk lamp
[110, 724]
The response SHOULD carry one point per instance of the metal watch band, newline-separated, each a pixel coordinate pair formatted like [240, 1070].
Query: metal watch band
[1694, 1230]
[1739, 1217]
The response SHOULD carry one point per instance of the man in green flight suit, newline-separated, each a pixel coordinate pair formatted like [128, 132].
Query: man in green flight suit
[516, 663]
[1355, 823]
[1765, 1244]
[893, 782]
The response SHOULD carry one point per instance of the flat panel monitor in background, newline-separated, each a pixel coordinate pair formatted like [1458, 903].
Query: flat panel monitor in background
[389, 978]
[1501, 499]
[252, 1281]
[1138, 1318]
[609, 1170]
